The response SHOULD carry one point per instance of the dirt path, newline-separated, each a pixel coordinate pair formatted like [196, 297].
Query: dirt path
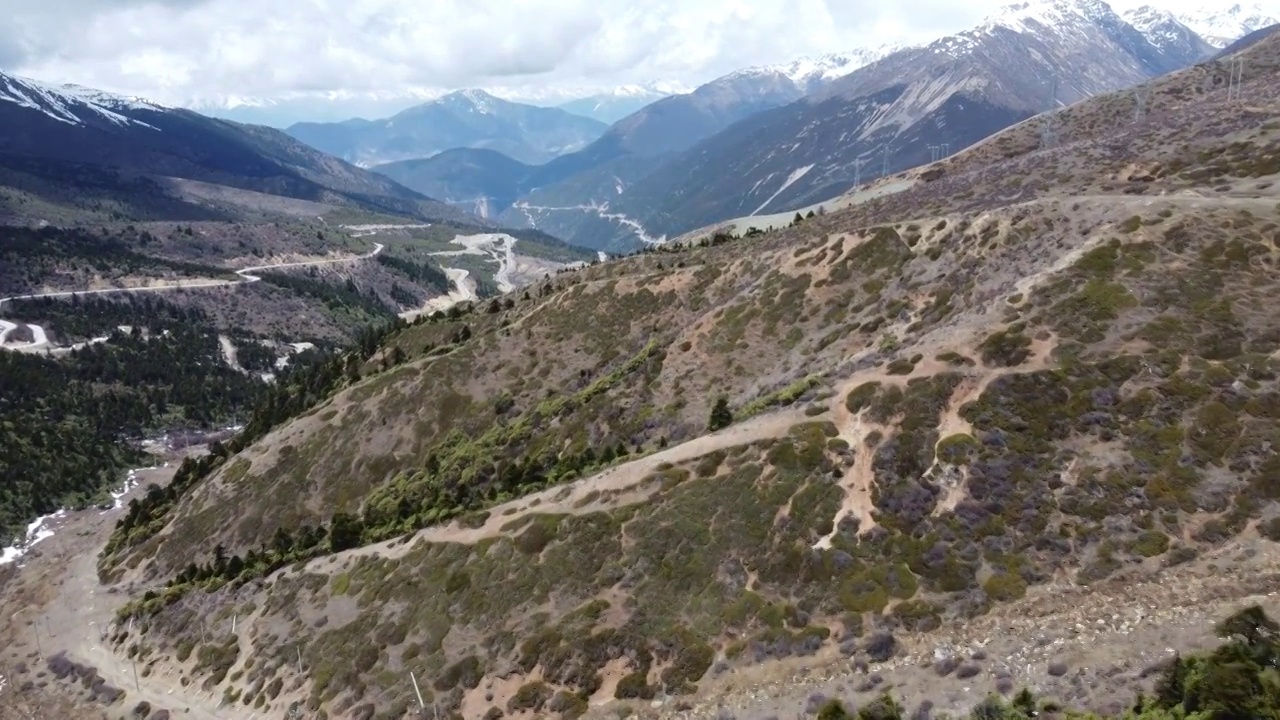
[618, 486]
[55, 604]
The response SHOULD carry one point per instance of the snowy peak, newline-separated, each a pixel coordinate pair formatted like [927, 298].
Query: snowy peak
[471, 101]
[1039, 16]
[1163, 30]
[810, 73]
[73, 104]
[1221, 26]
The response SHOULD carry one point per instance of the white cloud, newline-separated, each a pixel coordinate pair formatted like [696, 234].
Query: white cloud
[198, 51]
[178, 50]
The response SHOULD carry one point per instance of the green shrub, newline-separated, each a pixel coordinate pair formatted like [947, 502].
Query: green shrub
[531, 696]
[901, 366]
[634, 686]
[1150, 544]
[1008, 347]
[1005, 586]
[861, 396]
[958, 449]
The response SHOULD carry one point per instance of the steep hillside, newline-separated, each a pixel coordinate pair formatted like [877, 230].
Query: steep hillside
[468, 118]
[79, 151]
[1032, 367]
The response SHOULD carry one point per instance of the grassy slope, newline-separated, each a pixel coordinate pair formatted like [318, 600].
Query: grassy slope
[1118, 352]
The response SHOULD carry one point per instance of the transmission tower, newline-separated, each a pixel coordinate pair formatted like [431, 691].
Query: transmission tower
[1049, 133]
[1140, 98]
[1053, 93]
[1235, 82]
[884, 168]
[857, 172]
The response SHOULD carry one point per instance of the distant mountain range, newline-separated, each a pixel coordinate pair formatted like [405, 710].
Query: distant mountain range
[92, 154]
[1220, 25]
[612, 105]
[467, 118]
[775, 138]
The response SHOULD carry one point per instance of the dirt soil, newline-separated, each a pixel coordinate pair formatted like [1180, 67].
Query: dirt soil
[52, 603]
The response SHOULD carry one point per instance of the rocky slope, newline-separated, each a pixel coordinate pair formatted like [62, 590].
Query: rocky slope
[468, 118]
[1030, 366]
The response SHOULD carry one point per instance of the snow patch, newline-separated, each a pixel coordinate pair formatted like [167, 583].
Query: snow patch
[791, 179]
[72, 104]
[37, 531]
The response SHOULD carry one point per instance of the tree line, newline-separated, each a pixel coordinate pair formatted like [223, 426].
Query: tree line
[69, 425]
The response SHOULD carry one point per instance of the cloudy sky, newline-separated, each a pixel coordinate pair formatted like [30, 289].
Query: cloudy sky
[203, 52]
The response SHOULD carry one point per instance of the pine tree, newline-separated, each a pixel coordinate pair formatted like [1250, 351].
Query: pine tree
[721, 416]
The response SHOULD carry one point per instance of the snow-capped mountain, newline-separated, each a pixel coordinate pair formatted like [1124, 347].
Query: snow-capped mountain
[1220, 26]
[812, 73]
[131, 151]
[1163, 30]
[73, 104]
[1023, 59]
[462, 119]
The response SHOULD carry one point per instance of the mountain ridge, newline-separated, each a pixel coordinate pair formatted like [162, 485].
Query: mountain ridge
[1021, 60]
[464, 118]
[64, 141]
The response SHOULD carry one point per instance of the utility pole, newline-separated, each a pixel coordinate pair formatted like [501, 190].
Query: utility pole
[1049, 133]
[1140, 97]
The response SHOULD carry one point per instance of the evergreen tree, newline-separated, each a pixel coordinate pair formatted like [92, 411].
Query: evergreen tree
[344, 532]
[721, 416]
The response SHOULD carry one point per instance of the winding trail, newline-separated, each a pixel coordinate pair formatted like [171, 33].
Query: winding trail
[601, 210]
[614, 487]
[246, 276]
[498, 247]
